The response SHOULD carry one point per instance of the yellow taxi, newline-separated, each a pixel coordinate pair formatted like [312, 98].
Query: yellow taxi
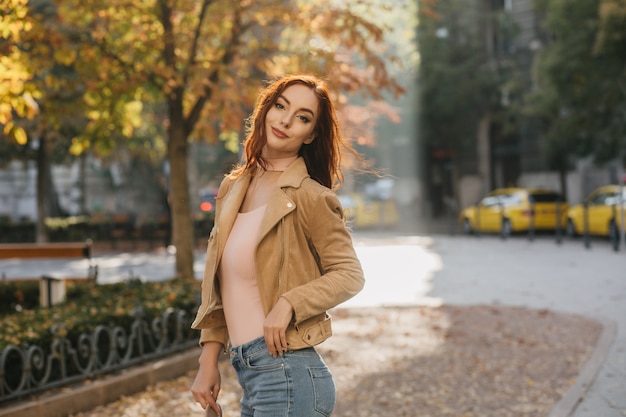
[603, 214]
[512, 210]
[364, 212]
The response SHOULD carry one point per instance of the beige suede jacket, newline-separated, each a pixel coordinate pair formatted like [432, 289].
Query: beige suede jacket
[304, 254]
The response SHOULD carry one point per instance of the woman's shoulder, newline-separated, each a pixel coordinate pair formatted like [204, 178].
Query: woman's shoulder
[226, 184]
[313, 192]
[309, 185]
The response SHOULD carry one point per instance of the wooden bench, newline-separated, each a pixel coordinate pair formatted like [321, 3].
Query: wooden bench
[45, 250]
[52, 290]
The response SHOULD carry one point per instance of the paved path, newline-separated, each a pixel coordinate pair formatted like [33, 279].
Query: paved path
[486, 270]
[455, 270]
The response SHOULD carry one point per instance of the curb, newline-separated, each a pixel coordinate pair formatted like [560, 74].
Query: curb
[570, 400]
[106, 390]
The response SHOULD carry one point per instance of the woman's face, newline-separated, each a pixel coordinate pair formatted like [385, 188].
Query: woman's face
[290, 121]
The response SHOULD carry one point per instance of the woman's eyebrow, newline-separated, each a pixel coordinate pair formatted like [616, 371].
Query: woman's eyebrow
[302, 108]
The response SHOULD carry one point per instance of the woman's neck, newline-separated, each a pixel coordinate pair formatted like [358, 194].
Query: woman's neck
[279, 164]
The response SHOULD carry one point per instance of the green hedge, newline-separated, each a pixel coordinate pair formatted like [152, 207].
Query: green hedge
[96, 227]
[88, 305]
[18, 295]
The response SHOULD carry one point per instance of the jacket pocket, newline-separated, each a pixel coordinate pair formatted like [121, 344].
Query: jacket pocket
[316, 333]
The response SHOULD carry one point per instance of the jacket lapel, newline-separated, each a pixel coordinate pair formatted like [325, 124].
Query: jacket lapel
[230, 208]
[278, 207]
[280, 204]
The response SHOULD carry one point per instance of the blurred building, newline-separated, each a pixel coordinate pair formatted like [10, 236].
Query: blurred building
[502, 158]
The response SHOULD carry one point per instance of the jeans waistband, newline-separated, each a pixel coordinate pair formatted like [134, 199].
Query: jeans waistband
[248, 348]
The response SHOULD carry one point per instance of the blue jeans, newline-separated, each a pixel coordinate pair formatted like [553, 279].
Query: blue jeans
[298, 384]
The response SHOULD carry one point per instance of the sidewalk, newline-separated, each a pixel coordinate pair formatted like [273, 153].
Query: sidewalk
[459, 270]
[542, 274]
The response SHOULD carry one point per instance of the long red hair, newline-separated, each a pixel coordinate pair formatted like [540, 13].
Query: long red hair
[323, 155]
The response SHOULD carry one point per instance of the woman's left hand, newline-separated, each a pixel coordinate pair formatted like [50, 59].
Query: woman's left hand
[275, 327]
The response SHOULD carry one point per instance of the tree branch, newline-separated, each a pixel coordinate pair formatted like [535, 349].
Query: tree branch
[196, 38]
[227, 58]
[168, 34]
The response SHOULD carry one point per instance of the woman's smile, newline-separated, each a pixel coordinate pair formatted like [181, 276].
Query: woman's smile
[279, 133]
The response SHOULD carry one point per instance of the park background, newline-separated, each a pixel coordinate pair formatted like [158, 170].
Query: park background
[118, 120]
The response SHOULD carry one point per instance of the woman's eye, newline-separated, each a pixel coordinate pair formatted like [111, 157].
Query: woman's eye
[304, 119]
[279, 106]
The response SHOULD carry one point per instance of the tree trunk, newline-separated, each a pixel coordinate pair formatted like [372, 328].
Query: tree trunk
[43, 171]
[484, 153]
[182, 228]
[82, 184]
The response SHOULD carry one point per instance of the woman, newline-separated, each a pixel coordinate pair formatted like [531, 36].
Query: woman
[279, 256]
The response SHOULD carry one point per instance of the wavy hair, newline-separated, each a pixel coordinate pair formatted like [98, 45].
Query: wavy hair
[323, 155]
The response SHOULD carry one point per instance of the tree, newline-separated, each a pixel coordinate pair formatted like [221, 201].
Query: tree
[458, 80]
[581, 74]
[36, 99]
[377, 125]
[16, 98]
[199, 57]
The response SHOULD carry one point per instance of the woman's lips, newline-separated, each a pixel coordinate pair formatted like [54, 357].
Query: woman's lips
[279, 133]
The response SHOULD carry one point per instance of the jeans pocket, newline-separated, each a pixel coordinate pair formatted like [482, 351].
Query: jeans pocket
[263, 361]
[324, 389]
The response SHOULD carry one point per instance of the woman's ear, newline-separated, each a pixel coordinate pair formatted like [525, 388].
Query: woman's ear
[308, 140]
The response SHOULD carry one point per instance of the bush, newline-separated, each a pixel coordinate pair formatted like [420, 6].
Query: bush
[67, 229]
[18, 295]
[90, 304]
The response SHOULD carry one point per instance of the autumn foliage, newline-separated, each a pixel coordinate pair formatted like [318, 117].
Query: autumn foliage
[106, 68]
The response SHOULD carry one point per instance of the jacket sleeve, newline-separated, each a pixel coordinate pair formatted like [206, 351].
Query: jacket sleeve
[210, 320]
[215, 330]
[341, 272]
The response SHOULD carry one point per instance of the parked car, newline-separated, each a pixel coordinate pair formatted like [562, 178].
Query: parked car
[363, 211]
[603, 212]
[207, 200]
[511, 210]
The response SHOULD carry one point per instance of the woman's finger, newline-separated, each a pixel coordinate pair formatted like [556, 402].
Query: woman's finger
[199, 398]
[269, 342]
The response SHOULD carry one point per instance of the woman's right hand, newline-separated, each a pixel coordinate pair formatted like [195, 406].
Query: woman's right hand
[207, 383]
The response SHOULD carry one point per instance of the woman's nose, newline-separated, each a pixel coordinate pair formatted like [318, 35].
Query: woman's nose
[285, 121]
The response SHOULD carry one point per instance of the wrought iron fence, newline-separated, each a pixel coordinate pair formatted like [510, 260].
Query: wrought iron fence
[30, 369]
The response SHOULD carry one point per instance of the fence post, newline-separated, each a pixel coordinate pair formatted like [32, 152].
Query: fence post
[586, 237]
[559, 234]
[477, 218]
[613, 231]
[502, 231]
[531, 224]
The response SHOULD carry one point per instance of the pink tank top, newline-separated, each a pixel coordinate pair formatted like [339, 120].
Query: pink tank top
[239, 289]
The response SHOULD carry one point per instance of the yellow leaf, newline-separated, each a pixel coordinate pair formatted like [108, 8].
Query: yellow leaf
[94, 115]
[133, 112]
[20, 135]
[31, 105]
[78, 146]
[5, 113]
[231, 141]
[7, 127]
[65, 56]
[127, 130]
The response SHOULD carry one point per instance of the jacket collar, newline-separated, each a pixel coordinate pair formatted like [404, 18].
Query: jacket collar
[295, 173]
[278, 206]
